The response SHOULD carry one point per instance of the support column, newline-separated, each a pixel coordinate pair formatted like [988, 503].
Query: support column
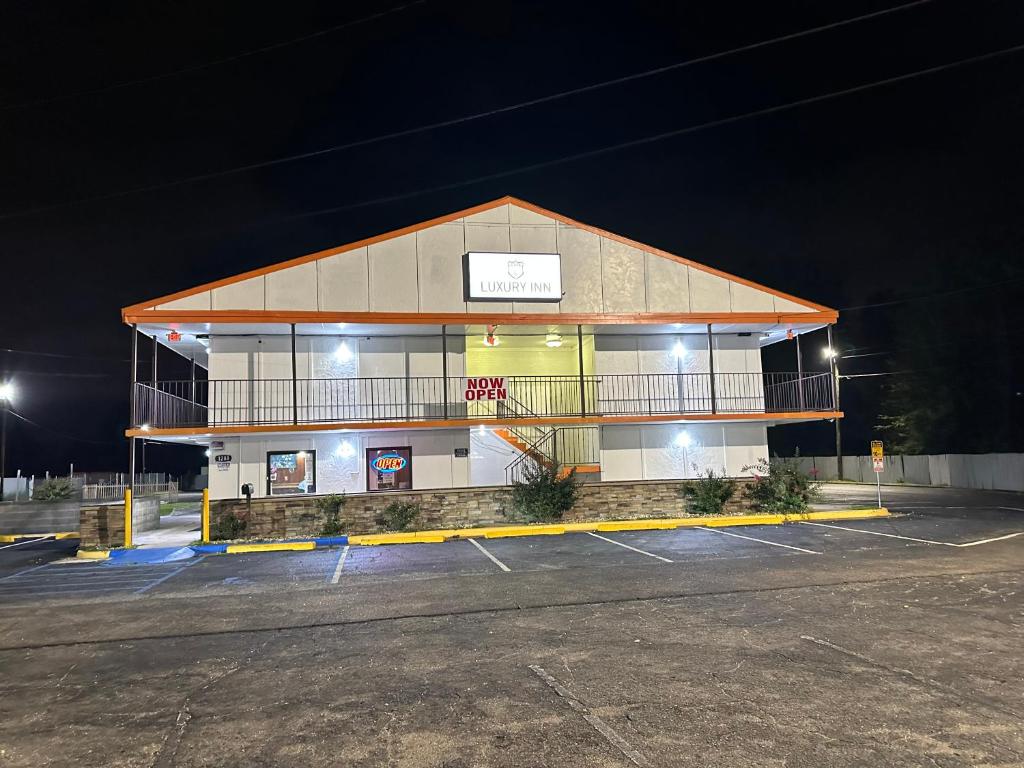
[711, 369]
[799, 373]
[583, 390]
[295, 382]
[834, 363]
[133, 408]
[155, 348]
[192, 390]
[444, 368]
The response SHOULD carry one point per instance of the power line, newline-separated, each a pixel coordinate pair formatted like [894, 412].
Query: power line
[655, 138]
[937, 294]
[212, 63]
[59, 434]
[62, 356]
[458, 120]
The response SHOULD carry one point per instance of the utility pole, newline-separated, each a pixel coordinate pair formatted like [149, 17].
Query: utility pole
[6, 395]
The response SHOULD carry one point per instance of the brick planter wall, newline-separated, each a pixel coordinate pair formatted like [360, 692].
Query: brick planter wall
[292, 517]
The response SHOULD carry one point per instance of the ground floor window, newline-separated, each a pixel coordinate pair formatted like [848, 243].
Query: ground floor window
[388, 469]
[291, 472]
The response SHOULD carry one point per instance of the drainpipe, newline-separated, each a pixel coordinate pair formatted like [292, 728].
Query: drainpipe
[133, 412]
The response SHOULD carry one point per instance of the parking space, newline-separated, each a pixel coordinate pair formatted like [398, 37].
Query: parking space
[27, 553]
[450, 558]
[88, 579]
[279, 569]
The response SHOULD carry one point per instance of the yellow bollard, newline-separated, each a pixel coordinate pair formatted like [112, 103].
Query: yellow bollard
[127, 517]
[206, 514]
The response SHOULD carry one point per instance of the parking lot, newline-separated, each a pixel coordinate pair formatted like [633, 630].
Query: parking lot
[874, 642]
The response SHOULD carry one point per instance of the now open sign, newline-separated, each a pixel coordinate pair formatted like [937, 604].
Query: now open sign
[486, 388]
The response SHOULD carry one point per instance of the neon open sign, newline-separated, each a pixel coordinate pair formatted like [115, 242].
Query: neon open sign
[389, 462]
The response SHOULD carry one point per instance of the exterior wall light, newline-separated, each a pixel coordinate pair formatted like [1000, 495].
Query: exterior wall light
[679, 350]
[683, 439]
[553, 340]
[343, 353]
[207, 453]
[144, 427]
[345, 450]
[490, 340]
[828, 353]
[7, 391]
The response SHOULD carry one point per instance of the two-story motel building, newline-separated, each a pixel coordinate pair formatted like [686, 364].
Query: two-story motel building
[451, 353]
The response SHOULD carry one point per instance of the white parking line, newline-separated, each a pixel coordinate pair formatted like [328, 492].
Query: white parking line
[642, 552]
[27, 541]
[760, 541]
[341, 564]
[988, 541]
[491, 557]
[877, 533]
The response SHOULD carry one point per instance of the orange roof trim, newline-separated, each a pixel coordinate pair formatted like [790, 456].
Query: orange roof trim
[134, 309]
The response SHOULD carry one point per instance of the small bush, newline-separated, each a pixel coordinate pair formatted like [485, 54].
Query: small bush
[330, 506]
[54, 489]
[708, 494]
[780, 486]
[227, 528]
[398, 515]
[545, 494]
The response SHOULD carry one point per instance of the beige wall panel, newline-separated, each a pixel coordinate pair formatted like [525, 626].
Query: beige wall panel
[247, 294]
[709, 293]
[344, 282]
[535, 239]
[622, 271]
[199, 301]
[485, 238]
[747, 299]
[581, 270]
[393, 275]
[519, 215]
[785, 305]
[497, 215]
[439, 252]
[293, 288]
[668, 285]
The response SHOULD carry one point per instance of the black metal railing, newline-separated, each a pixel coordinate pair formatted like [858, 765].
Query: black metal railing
[256, 402]
[561, 446]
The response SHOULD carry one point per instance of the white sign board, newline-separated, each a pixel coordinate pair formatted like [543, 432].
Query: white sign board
[485, 388]
[513, 276]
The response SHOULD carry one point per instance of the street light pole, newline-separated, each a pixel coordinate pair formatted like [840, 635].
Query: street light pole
[3, 446]
[833, 356]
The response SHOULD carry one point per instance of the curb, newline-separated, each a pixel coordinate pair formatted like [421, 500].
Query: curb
[666, 523]
[10, 538]
[93, 554]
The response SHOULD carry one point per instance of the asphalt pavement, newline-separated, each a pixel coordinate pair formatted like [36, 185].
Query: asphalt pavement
[875, 642]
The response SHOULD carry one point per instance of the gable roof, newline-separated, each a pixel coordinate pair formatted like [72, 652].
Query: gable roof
[143, 307]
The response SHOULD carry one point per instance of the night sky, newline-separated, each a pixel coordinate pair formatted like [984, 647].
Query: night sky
[908, 190]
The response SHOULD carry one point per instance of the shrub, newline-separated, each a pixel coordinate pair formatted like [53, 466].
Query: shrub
[398, 515]
[780, 486]
[227, 527]
[330, 507]
[54, 489]
[545, 494]
[708, 494]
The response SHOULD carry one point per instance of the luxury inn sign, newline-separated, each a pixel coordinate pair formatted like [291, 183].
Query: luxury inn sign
[513, 276]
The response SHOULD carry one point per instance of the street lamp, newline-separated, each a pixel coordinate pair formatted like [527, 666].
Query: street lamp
[6, 395]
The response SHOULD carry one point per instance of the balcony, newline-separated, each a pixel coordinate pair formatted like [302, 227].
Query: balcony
[225, 403]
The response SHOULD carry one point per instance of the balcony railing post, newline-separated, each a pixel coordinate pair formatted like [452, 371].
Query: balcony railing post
[834, 365]
[583, 393]
[295, 382]
[711, 369]
[444, 369]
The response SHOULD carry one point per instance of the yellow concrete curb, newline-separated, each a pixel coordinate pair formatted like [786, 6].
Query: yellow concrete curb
[847, 514]
[654, 524]
[93, 554]
[234, 549]
[7, 538]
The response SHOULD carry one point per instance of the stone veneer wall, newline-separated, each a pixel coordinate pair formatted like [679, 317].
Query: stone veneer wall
[101, 525]
[288, 517]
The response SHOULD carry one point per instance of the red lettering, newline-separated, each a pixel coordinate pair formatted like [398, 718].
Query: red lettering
[503, 394]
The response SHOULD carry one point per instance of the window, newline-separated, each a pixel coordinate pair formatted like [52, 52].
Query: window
[388, 469]
[291, 472]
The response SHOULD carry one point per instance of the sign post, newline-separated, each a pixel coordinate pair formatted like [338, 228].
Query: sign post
[878, 464]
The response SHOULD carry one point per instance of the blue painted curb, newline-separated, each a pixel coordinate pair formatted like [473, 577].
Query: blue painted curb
[154, 555]
[319, 541]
